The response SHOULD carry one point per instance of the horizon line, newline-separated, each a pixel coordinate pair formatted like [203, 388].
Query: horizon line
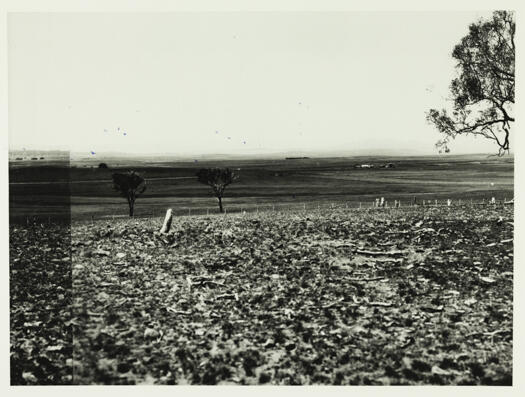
[316, 154]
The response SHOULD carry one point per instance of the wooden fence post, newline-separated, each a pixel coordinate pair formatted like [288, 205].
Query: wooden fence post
[167, 221]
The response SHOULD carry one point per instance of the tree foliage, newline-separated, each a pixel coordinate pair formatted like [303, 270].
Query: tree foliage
[218, 179]
[483, 91]
[130, 186]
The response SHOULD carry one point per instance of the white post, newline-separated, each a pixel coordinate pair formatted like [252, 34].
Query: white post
[435, 203]
[449, 202]
[493, 200]
[167, 222]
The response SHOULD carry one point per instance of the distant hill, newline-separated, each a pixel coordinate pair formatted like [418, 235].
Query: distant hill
[103, 156]
[357, 155]
[34, 155]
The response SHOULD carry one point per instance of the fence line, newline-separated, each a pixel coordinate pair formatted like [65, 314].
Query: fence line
[245, 208]
[376, 204]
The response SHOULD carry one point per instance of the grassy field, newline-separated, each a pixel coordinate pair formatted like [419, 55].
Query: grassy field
[49, 189]
[419, 295]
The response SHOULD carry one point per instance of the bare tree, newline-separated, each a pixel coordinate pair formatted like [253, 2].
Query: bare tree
[483, 91]
[218, 179]
[130, 186]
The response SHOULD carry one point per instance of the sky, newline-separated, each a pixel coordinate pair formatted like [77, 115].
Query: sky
[232, 82]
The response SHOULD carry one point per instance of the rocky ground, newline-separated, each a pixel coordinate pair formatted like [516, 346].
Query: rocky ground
[379, 296]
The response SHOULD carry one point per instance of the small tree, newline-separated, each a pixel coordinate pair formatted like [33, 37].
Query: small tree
[483, 92]
[218, 179]
[130, 186]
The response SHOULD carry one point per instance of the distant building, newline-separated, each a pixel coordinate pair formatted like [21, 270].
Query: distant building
[34, 158]
[102, 165]
[364, 166]
[41, 158]
[296, 158]
[389, 165]
[19, 158]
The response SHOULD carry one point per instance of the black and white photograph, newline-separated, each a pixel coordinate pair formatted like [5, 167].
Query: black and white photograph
[261, 197]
